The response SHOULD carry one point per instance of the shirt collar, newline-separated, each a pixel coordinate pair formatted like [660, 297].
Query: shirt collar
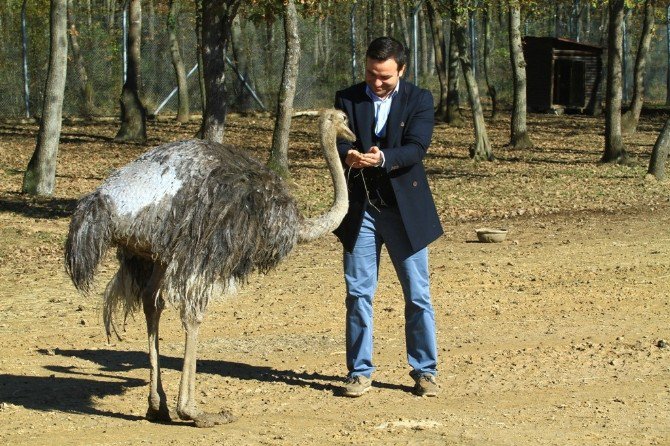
[376, 98]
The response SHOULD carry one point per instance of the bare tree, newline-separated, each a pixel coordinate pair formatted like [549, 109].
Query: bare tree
[488, 42]
[481, 150]
[424, 56]
[440, 62]
[279, 153]
[630, 119]
[659, 154]
[201, 64]
[614, 148]
[40, 176]
[519, 138]
[454, 116]
[85, 87]
[401, 18]
[178, 61]
[133, 114]
[217, 19]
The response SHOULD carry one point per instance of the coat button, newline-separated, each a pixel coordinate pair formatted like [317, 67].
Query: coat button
[415, 184]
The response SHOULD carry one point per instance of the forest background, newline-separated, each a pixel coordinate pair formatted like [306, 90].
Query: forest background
[334, 35]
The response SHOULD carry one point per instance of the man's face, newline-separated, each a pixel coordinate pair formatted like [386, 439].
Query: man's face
[382, 76]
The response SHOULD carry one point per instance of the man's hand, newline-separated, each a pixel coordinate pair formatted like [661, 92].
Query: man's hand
[359, 160]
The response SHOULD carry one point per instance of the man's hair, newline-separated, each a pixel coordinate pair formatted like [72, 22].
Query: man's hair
[384, 48]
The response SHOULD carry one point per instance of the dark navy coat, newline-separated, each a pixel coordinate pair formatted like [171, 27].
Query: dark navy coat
[409, 130]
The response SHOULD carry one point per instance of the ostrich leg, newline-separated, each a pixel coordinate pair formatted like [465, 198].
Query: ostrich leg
[153, 306]
[186, 405]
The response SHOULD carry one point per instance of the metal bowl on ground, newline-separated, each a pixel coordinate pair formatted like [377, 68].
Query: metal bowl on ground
[491, 235]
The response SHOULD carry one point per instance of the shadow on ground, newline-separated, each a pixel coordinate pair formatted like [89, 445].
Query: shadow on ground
[71, 394]
[76, 391]
[35, 207]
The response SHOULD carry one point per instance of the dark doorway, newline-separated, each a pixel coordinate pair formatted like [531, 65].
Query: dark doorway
[569, 82]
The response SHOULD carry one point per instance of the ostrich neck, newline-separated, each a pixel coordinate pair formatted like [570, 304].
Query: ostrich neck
[315, 227]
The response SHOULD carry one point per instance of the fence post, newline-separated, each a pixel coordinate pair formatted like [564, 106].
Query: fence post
[26, 83]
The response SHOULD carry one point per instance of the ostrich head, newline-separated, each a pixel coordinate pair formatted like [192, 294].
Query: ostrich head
[333, 125]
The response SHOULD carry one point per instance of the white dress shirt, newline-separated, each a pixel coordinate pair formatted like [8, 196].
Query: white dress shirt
[382, 109]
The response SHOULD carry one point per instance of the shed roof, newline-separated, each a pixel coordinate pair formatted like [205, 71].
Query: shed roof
[561, 44]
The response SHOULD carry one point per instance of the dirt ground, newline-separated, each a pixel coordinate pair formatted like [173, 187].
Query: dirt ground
[556, 336]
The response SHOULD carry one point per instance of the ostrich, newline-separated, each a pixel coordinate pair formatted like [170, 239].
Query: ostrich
[189, 219]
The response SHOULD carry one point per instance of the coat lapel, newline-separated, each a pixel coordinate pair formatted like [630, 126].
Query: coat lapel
[365, 114]
[394, 123]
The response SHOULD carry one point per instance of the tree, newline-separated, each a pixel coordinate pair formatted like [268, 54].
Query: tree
[133, 114]
[614, 148]
[40, 176]
[178, 62]
[217, 19]
[279, 153]
[488, 42]
[201, 64]
[454, 116]
[481, 149]
[630, 119]
[659, 154]
[440, 62]
[519, 138]
[85, 86]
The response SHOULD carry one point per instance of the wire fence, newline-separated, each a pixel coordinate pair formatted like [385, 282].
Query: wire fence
[331, 48]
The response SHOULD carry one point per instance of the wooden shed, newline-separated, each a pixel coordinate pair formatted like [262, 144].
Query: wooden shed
[562, 75]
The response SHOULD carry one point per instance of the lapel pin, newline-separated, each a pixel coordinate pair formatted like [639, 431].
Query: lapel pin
[402, 123]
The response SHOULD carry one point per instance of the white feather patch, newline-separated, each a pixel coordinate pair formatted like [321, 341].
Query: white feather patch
[140, 184]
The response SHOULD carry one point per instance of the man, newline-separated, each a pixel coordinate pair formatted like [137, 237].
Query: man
[389, 203]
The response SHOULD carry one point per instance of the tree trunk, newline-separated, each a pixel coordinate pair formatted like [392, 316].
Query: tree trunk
[424, 55]
[454, 116]
[667, 54]
[614, 148]
[440, 65]
[85, 87]
[111, 11]
[631, 118]
[659, 154]
[133, 113]
[217, 19]
[244, 99]
[201, 64]
[576, 20]
[279, 153]
[401, 16]
[519, 134]
[40, 176]
[481, 149]
[89, 16]
[183, 108]
[370, 22]
[151, 27]
[488, 42]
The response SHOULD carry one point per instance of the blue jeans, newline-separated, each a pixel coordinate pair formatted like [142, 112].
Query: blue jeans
[361, 268]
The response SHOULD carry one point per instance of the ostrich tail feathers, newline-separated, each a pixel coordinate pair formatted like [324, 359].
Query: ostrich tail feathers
[87, 240]
[123, 294]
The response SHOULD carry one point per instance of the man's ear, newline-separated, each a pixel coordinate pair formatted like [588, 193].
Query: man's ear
[402, 71]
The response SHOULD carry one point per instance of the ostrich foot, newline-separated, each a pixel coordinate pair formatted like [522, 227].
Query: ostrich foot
[205, 419]
[159, 415]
